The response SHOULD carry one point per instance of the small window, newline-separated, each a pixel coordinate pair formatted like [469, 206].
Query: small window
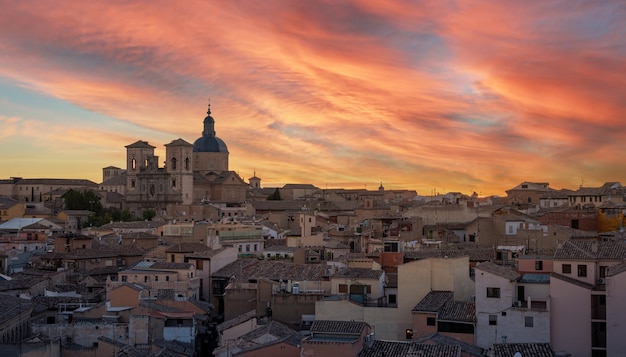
[493, 320]
[528, 321]
[409, 334]
[430, 321]
[156, 278]
[582, 270]
[167, 278]
[566, 269]
[393, 299]
[343, 288]
[493, 293]
[124, 278]
[539, 265]
[173, 163]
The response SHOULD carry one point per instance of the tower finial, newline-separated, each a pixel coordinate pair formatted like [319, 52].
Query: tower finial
[209, 109]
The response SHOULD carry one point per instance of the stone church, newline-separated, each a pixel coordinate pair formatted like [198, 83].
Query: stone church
[192, 174]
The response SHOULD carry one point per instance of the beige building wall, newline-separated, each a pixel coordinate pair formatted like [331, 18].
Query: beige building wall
[415, 280]
[570, 328]
[616, 314]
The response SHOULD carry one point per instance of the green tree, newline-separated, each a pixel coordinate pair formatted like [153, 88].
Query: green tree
[148, 214]
[126, 216]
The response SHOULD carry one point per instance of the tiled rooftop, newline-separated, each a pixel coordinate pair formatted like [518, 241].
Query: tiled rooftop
[458, 311]
[433, 301]
[399, 348]
[356, 273]
[339, 327]
[477, 254]
[265, 335]
[187, 248]
[499, 270]
[590, 250]
[244, 270]
[525, 349]
[441, 339]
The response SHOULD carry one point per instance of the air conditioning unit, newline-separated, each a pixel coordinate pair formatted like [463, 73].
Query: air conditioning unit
[601, 281]
[517, 304]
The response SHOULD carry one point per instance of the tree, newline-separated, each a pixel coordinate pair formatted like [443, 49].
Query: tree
[148, 214]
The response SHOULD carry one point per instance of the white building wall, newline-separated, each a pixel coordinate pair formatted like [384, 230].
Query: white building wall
[487, 334]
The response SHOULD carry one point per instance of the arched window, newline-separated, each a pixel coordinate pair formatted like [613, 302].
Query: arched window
[133, 164]
[187, 164]
[173, 163]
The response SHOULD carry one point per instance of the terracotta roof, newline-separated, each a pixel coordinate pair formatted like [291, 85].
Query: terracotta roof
[477, 254]
[400, 348]
[244, 270]
[433, 301]
[458, 311]
[442, 339]
[236, 320]
[205, 254]
[187, 248]
[525, 349]
[355, 273]
[340, 327]
[499, 270]
[591, 250]
[266, 335]
[133, 225]
[11, 307]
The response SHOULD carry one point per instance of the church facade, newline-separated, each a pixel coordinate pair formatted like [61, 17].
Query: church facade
[195, 173]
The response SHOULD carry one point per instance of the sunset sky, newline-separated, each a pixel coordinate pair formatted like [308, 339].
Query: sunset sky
[424, 95]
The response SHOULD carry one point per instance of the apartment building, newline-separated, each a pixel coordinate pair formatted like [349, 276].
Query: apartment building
[581, 288]
[510, 307]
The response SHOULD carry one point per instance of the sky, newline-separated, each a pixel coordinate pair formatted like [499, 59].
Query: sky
[432, 96]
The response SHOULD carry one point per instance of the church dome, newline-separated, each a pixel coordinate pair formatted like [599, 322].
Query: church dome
[208, 142]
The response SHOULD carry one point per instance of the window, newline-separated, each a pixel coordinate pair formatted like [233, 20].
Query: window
[124, 278]
[393, 299]
[539, 265]
[167, 278]
[199, 264]
[186, 163]
[566, 269]
[430, 321]
[409, 334]
[528, 321]
[133, 164]
[493, 320]
[173, 163]
[132, 183]
[582, 270]
[493, 293]
[173, 182]
[343, 288]
[156, 278]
